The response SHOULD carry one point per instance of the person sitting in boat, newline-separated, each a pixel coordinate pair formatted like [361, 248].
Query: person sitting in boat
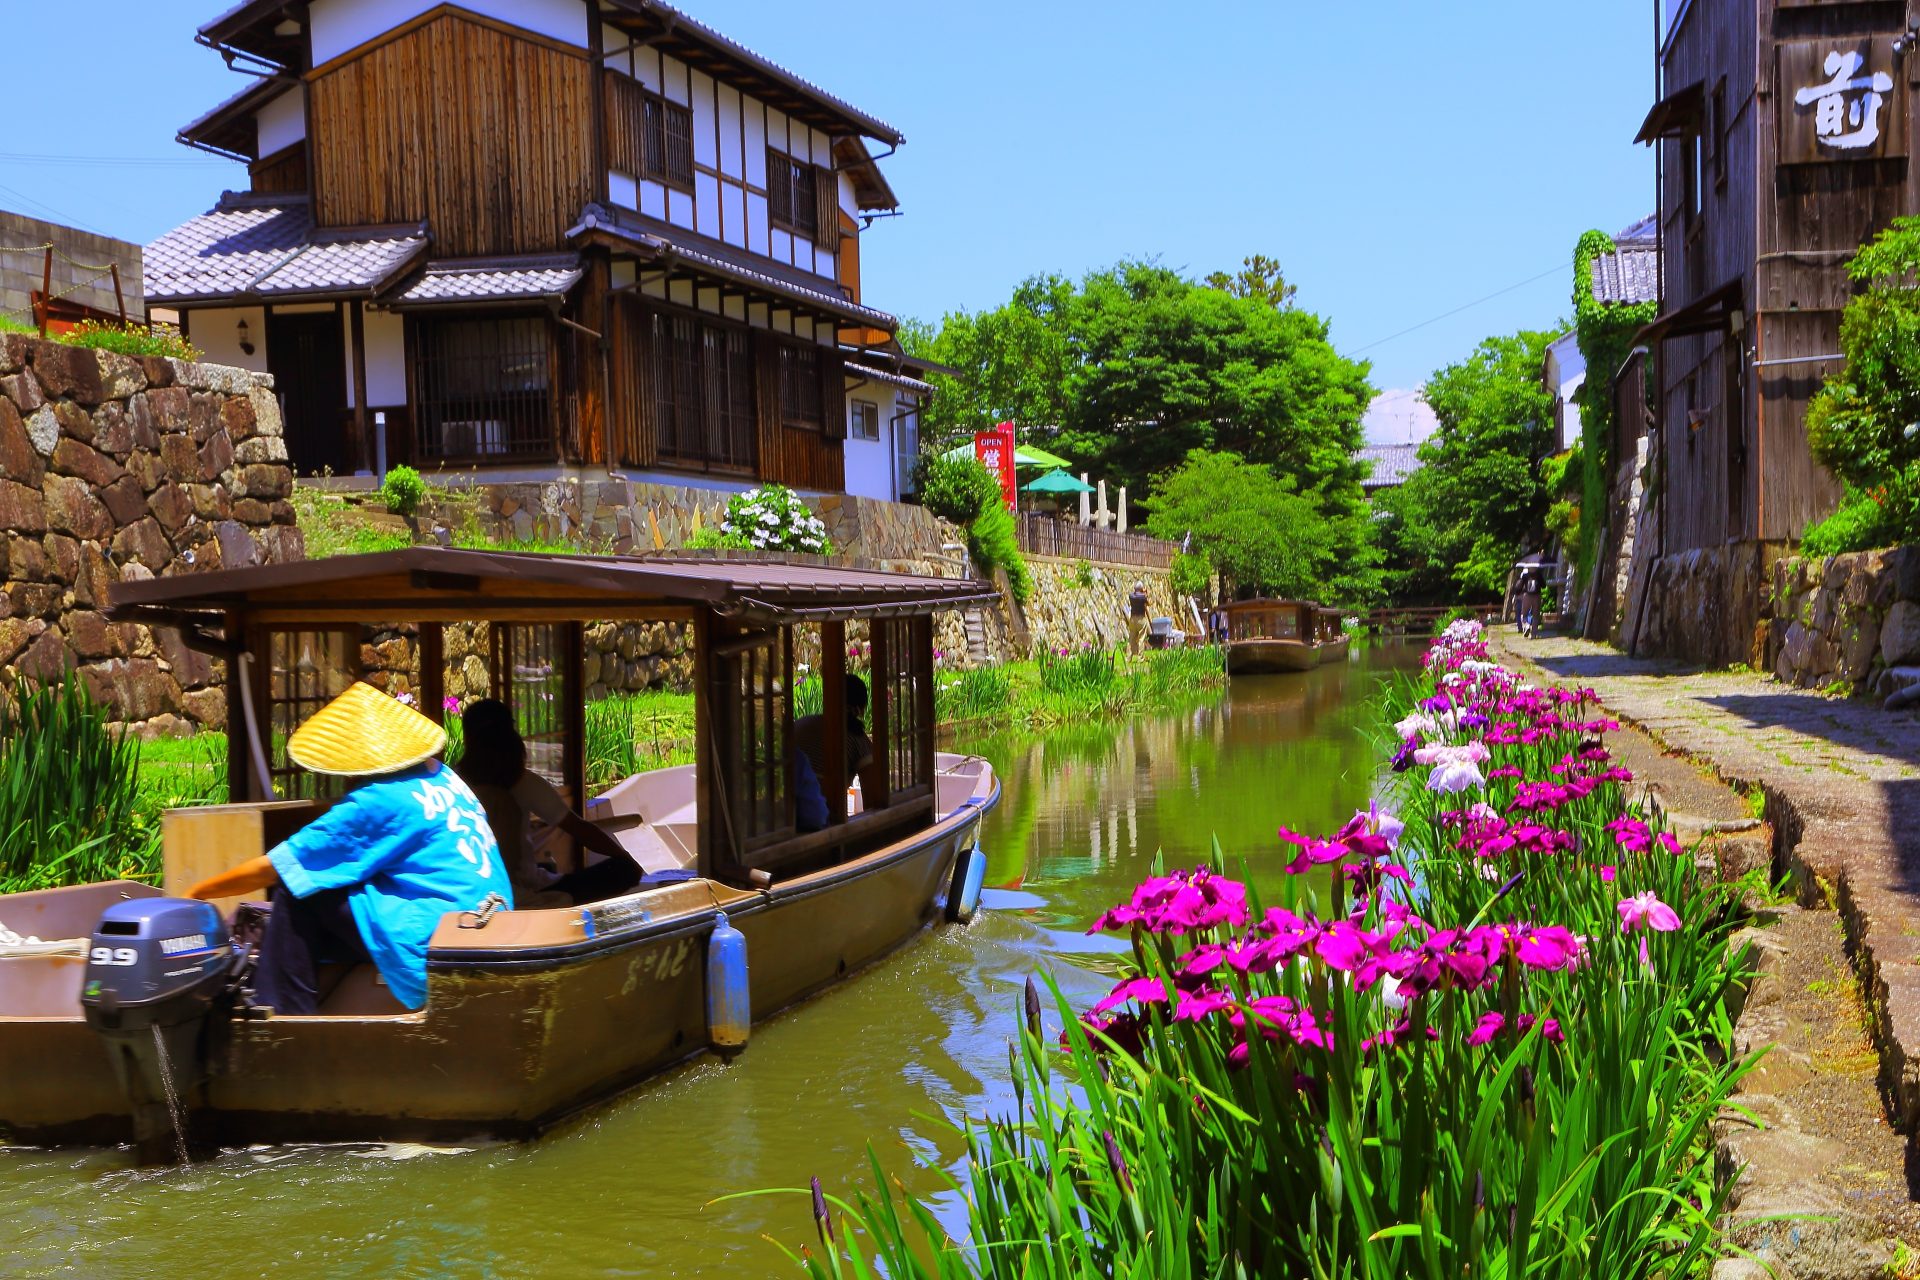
[369, 879]
[494, 764]
[810, 737]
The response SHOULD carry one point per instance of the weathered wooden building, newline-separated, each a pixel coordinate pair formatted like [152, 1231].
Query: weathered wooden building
[1782, 132]
[529, 235]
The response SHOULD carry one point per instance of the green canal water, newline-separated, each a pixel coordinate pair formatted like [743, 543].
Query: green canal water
[633, 1188]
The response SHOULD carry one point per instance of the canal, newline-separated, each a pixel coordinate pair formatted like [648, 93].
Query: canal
[631, 1188]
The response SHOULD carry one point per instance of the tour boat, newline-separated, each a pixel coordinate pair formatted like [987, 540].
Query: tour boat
[1266, 636]
[531, 1015]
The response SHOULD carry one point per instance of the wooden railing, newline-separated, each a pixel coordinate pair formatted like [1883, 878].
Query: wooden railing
[1424, 619]
[1042, 535]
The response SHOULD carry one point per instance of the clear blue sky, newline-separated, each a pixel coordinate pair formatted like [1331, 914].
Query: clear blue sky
[1401, 158]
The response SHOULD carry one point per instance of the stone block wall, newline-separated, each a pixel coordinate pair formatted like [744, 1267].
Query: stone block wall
[1853, 618]
[1705, 606]
[115, 467]
[1073, 606]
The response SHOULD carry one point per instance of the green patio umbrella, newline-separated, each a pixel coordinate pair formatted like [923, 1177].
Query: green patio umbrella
[1059, 482]
[1024, 455]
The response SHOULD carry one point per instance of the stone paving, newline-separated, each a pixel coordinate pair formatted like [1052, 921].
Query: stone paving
[1841, 779]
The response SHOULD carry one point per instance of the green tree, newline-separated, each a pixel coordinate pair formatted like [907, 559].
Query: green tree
[1479, 499]
[1247, 522]
[1259, 277]
[1605, 332]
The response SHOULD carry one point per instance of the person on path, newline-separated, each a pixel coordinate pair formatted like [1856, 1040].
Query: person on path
[494, 764]
[1529, 603]
[370, 879]
[1136, 618]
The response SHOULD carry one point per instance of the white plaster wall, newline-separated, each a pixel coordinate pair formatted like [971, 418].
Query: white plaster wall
[216, 333]
[870, 464]
[282, 122]
[339, 26]
[623, 189]
[386, 337]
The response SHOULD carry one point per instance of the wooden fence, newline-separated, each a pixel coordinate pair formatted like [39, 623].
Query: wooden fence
[1042, 535]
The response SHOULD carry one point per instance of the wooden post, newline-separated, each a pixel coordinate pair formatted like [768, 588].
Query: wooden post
[46, 292]
[833, 719]
[119, 298]
[573, 723]
[706, 766]
[432, 648]
[880, 672]
[364, 453]
[239, 768]
[920, 629]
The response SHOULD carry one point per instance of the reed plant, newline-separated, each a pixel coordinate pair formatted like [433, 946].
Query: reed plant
[69, 790]
[1488, 1037]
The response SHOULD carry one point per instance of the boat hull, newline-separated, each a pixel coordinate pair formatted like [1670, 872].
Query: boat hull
[1257, 657]
[514, 1037]
[1333, 650]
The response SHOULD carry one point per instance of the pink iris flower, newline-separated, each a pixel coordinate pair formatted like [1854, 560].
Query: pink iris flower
[1646, 911]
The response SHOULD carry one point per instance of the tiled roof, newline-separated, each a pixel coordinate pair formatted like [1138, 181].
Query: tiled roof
[254, 249]
[1630, 275]
[492, 279]
[1392, 464]
[1646, 229]
[658, 246]
[901, 380]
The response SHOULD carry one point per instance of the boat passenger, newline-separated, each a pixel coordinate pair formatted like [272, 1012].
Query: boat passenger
[494, 763]
[369, 879]
[809, 735]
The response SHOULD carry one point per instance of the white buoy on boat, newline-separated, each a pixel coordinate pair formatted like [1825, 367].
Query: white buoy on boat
[969, 875]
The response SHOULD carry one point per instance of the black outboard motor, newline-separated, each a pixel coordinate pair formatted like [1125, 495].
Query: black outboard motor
[154, 969]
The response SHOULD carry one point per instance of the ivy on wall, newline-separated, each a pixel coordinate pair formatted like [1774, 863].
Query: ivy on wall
[1605, 332]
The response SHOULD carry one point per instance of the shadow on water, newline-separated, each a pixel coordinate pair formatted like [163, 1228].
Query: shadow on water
[629, 1188]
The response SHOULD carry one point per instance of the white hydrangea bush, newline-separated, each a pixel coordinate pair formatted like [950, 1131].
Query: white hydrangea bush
[773, 518]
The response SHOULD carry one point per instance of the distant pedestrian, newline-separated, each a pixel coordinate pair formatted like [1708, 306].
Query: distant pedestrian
[1529, 603]
[1136, 618]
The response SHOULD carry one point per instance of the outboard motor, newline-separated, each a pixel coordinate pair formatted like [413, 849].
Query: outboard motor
[154, 969]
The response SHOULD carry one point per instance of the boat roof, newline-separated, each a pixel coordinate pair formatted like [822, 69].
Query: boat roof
[422, 582]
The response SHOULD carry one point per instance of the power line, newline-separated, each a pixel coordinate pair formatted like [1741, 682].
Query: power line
[1465, 306]
[113, 162]
[46, 208]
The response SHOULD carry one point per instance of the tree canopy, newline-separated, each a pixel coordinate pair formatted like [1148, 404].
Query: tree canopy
[1133, 368]
[1246, 521]
[1478, 501]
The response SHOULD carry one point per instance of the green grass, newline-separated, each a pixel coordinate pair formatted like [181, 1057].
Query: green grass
[1055, 689]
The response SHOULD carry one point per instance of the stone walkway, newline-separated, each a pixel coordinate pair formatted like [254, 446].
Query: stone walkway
[1841, 779]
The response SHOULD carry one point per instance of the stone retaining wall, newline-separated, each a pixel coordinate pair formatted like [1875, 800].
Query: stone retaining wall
[112, 468]
[1704, 606]
[1853, 618]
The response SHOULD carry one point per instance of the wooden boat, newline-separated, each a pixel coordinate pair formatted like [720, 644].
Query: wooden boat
[1265, 636]
[532, 1014]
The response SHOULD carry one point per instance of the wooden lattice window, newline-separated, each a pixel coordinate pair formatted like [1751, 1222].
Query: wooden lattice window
[703, 393]
[903, 706]
[752, 717]
[801, 402]
[647, 135]
[528, 664]
[305, 671]
[793, 195]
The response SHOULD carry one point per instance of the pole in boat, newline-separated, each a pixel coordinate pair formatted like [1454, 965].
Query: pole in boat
[729, 998]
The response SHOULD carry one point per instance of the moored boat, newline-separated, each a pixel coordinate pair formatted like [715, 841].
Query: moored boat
[1268, 636]
[530, 1014]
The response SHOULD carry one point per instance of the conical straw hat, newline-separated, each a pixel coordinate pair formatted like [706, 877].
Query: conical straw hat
[363, 732]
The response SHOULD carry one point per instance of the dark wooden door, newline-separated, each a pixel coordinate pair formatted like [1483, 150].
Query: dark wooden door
[308, 357]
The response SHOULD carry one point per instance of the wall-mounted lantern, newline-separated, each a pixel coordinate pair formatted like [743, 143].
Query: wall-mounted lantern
[245, 338]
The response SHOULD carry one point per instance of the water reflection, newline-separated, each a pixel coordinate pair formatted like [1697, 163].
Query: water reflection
[630, 1189]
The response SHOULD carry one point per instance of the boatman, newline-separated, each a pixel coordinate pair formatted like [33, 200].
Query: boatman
[369, 879]
[1136, 617]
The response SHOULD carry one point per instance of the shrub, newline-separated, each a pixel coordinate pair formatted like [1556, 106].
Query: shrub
[1862, 521]
[994, 543]
[1190, 575]
[957, 489]
[773, 518]
[402, 491]
[1083, 575]
[708, 538]
[131, 339]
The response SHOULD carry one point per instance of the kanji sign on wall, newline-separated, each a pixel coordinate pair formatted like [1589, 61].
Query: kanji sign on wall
[1840, 98]
[995, 450]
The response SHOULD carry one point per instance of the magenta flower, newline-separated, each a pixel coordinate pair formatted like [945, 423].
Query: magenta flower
[1607, 874]
[450, 703]
[1669, 843]
[1489, 1026]
[1549, 1030]
[1198, 1006]
[1180, 903]
[1134, 990]
[1631, 834]
[1645, 911]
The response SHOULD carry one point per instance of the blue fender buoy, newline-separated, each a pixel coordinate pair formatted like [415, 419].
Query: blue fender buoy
[729, 1000]
[969, 874]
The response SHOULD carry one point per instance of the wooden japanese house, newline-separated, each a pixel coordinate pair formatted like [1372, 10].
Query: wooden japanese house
[1265, 636]
[1782, 132]
[525, 236]
[536, 1012]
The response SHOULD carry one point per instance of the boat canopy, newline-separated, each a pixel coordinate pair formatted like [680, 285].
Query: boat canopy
[514, 626]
